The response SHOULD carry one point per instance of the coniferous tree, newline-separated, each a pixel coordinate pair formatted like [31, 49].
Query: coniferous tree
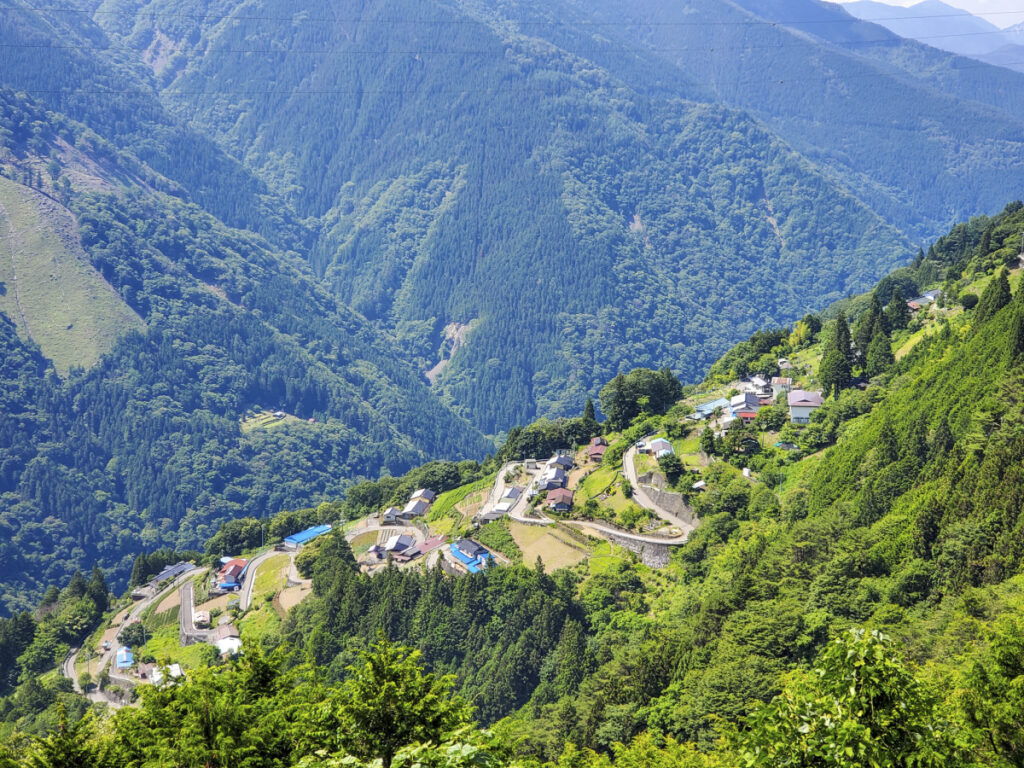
[388, 702]
[834, 372]
[97, 589]
[897, 313]
[865, 328]
[707, 441]
[66, 747]
[995, 296]
[588, 411]
[842, 339]
[879, 355]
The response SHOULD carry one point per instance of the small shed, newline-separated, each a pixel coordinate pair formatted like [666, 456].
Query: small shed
[124, 657]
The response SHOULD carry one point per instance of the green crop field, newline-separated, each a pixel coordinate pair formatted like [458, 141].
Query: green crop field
[47, 285]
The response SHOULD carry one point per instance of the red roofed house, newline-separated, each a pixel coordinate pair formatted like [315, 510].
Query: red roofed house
[596, 452]
[559, 499]
[232, 570]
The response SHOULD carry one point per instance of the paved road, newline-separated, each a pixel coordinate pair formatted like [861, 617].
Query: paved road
[67, 668]
[186, 617]
[645, 501]
[674, 541]
[245, 596]
[519, 510]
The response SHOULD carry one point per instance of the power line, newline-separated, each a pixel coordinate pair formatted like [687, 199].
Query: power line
[497, 52]
[299, 17]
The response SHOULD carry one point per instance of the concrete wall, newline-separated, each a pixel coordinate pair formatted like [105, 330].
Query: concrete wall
[651, 555]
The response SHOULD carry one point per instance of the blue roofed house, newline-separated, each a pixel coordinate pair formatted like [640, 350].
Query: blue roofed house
[124, 658]
[707, 410]
[471, 554]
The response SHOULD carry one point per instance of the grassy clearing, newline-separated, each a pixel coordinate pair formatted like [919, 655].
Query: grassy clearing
[445, 504]
[270, 578]
[604, 557]
[50, 290]
[258, 624]
[163, 646]
[799, 475]
[442, 527]
[597, 482]
[545, 542]
[267, 420]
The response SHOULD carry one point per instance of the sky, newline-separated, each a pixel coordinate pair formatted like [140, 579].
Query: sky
[1002, 13]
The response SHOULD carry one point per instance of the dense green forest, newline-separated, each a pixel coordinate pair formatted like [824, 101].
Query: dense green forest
[659, 224]
[150, 447]
[860, 604]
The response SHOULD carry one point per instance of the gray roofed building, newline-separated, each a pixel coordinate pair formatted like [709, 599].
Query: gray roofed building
[415, 508]
[424, 493]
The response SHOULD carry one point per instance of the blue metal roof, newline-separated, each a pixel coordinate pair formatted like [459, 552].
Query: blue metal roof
[124, 657]
[307, 535]
[473, 564]
[708, 408]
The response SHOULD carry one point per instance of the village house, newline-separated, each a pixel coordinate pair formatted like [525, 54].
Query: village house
[553, 477]
[471, 554]
[513, 492]
[660, 446]
[559, 500]
[390, 516]
[802, 404]
[707, 410]
[561, 461]
[399, 543]
[425, 494]
[781, 384]
[415, 508]
[745, 406]
[596, 451]
[498, 511]
[231, 573]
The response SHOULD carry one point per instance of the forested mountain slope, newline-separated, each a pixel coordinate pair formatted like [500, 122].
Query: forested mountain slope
[853, 600]
[63, 60]
[924, 137]
[518, 178]
[903, 515]
[147, 446]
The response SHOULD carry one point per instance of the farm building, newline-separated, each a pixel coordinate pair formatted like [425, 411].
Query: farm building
[296, 540]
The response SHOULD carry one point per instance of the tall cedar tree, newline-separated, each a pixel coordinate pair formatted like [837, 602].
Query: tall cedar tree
[995, 296]
[388, 703]
[879, 356]
[865, 328]
[897, 313]
[835, 369]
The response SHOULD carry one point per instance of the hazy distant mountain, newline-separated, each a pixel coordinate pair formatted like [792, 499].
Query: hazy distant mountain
[934, 23]
[942, 26]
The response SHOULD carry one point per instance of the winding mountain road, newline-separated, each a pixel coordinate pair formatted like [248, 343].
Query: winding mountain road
[641, 497]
